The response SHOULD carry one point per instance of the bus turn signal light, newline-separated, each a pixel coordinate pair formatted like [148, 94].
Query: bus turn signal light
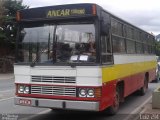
[94, 10]
[98, 92]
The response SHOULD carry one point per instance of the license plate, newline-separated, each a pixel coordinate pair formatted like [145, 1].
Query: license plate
[25, 102]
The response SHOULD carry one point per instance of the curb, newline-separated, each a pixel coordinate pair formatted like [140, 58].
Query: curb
[6, 76]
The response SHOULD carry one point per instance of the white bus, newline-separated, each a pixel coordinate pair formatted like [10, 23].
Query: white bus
[80, 57]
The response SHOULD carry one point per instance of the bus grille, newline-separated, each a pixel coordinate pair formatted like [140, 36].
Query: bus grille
[53, 79]
[53, 90]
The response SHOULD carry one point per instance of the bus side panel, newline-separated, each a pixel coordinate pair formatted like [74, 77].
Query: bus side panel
[133, 83]
[108, 92]
[127, 87]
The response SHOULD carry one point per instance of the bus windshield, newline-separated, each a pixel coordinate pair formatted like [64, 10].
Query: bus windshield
[48, 43]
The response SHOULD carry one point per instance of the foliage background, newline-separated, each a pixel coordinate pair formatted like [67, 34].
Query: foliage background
[8, 28]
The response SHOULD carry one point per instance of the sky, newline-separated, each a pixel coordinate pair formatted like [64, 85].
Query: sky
[144, 14]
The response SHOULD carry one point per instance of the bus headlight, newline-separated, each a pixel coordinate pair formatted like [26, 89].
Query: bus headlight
[20, 89]
[90, 93]
[82, 92]
[26, 90]
[23, 89]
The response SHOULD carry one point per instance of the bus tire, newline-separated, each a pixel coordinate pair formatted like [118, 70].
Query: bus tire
[112, 110]
[143, 89]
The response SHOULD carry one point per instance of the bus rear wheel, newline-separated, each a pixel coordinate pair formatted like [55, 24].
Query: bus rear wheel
[112, 110]
[143, 89]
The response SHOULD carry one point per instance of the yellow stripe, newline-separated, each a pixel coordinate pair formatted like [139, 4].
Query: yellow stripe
[123, 70]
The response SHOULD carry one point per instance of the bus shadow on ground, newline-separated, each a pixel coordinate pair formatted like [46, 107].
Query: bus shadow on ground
[77, 115]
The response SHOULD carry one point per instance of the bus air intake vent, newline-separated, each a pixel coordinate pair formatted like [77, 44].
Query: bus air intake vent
[53, 79]
[53, 90]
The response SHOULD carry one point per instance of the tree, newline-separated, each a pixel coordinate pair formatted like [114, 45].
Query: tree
[157, 45]
[1, 11]
[8, 27]
[157, 48]
[1, 21]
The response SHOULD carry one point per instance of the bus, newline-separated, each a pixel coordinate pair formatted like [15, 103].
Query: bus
[80, 57]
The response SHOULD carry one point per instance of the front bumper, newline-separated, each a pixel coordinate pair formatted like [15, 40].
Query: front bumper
[59, 104]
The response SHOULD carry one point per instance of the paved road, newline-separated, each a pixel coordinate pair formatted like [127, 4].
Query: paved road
[7, 107]
[6, 84]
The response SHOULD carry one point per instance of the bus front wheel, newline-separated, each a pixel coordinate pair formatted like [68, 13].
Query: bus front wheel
[112, 110]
